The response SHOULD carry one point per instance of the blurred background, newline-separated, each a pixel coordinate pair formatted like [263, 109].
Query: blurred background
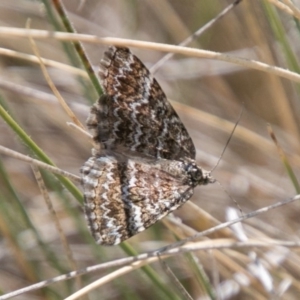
[208, 96]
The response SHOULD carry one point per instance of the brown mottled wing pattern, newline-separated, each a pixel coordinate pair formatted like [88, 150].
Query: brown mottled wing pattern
[124, 196]
[134, 112]
[143, 165]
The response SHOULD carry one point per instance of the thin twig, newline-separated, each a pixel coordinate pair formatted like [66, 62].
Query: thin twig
[284, 160]
[68, 26]
[195, 35]
[288, 7]
[248, 63]
[38, 163]
[227, 224]
[293, 8]
[55, 218]
[51, 84]
[81, 130]
[177, 284]
[46, 62]
[173, 249]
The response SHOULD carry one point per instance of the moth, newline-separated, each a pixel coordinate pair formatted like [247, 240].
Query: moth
[143, 161]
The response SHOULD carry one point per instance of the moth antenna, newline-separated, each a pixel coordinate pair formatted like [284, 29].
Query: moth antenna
[229, 139]
[230, 197]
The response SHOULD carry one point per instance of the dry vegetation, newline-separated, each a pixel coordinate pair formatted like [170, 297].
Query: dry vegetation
[208, 95]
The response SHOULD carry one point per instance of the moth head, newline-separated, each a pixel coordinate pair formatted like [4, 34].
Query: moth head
[197, 175]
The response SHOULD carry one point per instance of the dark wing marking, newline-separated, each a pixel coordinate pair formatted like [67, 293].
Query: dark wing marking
[134, 113]
[124, 196]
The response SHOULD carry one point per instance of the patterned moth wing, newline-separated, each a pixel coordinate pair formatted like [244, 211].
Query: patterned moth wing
[125, 195]
[143, 165]
[134, 112]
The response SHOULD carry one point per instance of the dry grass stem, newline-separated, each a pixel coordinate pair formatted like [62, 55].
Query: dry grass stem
[38, 163]
[248, 63]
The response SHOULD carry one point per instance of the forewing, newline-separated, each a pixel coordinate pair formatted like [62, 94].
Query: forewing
[135, 113]
[124, 197]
